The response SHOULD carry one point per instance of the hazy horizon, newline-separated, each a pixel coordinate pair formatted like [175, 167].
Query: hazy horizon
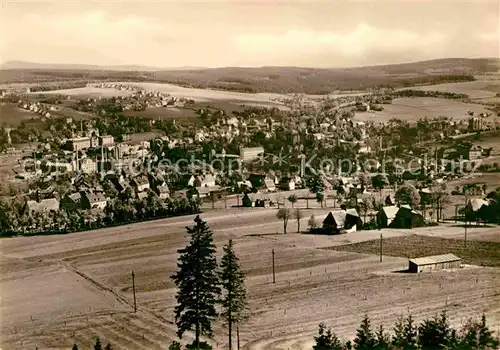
[249, 34]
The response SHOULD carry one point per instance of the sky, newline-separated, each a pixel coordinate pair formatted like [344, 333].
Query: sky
[251, 34]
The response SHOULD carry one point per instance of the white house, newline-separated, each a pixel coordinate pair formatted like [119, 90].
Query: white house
[248, 154]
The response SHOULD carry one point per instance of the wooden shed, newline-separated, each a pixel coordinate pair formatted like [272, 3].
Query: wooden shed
[434, 262]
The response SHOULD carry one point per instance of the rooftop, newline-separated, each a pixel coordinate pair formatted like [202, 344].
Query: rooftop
[435, 259]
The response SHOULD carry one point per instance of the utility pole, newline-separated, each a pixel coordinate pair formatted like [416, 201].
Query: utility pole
[225, 198]
[465, 221]
[381, 247]
[133, 289]
[274, 276]
[465, 236]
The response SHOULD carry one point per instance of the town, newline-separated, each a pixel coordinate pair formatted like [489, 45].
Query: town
[94, 170]
[249, 175]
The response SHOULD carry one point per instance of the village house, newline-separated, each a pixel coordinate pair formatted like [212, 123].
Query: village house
[386, 215]
[287, 184]
[71, 201]
[140, 183]
[476, 152]
[142, 195]
[163, 191]
[93, 200]
[341, 221]
[79, 143]
[407, 218]
[106, 140]
[207, 180]
[50, 205]
[243, 186]
[251, 153]
[476, 203]
[269, 185]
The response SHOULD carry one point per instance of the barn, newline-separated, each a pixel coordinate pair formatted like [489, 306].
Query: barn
[434, 262]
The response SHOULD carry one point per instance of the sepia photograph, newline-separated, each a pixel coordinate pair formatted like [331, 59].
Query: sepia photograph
[249, 175]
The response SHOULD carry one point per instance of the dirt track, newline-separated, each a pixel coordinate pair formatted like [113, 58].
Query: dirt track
[59, 290]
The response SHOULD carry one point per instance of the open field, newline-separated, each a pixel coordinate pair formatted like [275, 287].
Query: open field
[479, 89]
[164, 113]
[492, 180]
[412, 109]
[89, 273]
[10, 114]
[85, 92]
[413, 246]
[206, 95]
[490, 140]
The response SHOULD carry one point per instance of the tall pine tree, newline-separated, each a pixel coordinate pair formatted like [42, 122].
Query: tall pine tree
[326, 339]
[234, 300]
[365, 338]
[197, 282]
[97, 345]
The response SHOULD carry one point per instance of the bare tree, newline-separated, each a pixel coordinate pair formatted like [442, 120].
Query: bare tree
[298, 215]
[284, 214]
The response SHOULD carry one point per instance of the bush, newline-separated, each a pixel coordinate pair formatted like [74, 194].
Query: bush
[430, 223]
[174, 346]
[201, 346]
[370, 225]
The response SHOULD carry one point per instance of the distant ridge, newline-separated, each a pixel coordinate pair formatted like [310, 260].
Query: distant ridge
[263, 79]
[445, 64]
[68, 66]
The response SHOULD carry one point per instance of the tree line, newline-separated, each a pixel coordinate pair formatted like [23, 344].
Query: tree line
[15, 220]
[431, 334]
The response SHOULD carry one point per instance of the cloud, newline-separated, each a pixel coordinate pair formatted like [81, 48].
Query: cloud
[185, 36]
[363, 39]
[95, 31]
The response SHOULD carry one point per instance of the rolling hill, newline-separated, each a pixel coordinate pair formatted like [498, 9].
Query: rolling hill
[264, 79]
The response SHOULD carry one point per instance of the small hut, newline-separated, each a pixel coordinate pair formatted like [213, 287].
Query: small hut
[434, 262]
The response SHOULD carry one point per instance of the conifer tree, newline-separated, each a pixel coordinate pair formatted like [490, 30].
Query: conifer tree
[234, 303]
[75, 347]
[486, 338]
[97, 345]
[382, 339]
[365, 339]
[174, 346]
[410, 334]
[197, 282]
[435, 333]
[326, 340]
[108, 347]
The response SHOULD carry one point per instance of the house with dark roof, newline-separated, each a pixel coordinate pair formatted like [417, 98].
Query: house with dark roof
[93, 200]
[341, 221]
[287, 184]
[71, 201]
[246, 201]
[386, 215]
[407, 218]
